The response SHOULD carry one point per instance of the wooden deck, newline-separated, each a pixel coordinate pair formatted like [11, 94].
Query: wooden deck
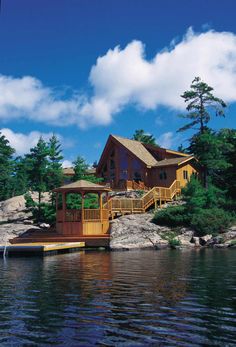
[40, 248]
[54, 237]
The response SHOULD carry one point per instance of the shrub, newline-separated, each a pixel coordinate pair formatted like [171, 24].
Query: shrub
[174, 243]
[210, 221]
[172, 216]
[43, 212]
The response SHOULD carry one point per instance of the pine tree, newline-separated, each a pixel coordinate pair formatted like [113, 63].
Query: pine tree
[38, 170]
[20, 179]
[6, 164]
[80, 168]
[201, 102]
[143, 137]
[81, 171]
[55, 172]
[209, 149]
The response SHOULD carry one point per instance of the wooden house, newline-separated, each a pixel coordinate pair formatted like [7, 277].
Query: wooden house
[131, 164]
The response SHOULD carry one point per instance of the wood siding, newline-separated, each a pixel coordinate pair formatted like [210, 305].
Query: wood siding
[190, 169]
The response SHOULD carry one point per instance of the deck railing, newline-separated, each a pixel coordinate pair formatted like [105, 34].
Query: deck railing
[86, 215]
[142, 204]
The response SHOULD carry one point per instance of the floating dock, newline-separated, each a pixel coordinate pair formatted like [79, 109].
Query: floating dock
[40, 249]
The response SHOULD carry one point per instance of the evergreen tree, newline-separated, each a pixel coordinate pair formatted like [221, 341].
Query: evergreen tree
[228, 176]
[55, 171]
[201, 102]
[38, 169]
[182, 149]
[6, 164]
[81, 171]
[20, 179]
[209, 149]
[80, 168]
[141, 136]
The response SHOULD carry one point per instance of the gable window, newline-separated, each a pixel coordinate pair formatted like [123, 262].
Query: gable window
[185, 174]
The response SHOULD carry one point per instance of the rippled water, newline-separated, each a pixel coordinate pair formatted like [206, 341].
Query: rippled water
[138, 298]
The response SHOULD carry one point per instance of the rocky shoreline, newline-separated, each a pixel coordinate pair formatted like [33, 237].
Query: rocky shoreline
[127, 232]
[16, 219]
[138, 232]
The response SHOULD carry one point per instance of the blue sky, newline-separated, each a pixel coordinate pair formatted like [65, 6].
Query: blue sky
[52, 79]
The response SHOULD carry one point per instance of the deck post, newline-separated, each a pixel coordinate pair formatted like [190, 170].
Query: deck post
[100, 204]
[63, 207]
[82, 208]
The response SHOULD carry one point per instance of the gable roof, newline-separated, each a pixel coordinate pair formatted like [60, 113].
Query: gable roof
[141, 151]
[173, 161]
[138, 149]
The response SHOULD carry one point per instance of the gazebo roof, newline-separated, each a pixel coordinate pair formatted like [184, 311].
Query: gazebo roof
[84, 186]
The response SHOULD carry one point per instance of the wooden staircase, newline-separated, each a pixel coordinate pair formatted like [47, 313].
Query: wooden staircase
[157, 195]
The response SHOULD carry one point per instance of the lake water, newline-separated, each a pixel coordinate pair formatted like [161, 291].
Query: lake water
[136, 298]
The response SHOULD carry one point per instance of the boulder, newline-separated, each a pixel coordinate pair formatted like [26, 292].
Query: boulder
[136, 231]
[204, 239]
[195, 241]
[185, 237]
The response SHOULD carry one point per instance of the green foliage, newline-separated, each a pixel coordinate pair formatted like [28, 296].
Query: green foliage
[74, 201]
[200, 102]
[226, 178]
[204, 210]
[37, 167]
[182, 149]
[20, 179]
[172, 216]
[6, 167]
[54, 166]
[194, 195]
[210, 221]
[44, 213]
[81, 169]
[141, 136]
[173, 243]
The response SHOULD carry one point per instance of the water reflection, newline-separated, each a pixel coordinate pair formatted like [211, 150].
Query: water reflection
[119, 298]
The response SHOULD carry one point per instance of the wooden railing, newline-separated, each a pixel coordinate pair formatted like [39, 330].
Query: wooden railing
[85, 215]
[72, 215]
[123, 205]
[128, 184]
[141, 205]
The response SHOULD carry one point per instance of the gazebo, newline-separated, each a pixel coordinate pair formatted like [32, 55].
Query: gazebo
[81, 209]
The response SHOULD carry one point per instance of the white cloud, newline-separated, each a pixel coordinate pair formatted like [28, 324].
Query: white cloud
[67, 163]
[23, 142]
[166, 140]
[169, 140]
[124, 76]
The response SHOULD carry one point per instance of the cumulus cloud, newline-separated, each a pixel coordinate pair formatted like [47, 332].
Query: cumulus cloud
[126, 77]
[67, 163]
[166, 140]
[23, 142]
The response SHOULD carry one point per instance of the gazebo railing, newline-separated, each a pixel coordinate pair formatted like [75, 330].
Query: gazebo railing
[88, 215]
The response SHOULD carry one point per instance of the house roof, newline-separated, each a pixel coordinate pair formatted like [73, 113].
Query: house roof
[173, 161]
[82, 185]
[142, 152]
[68, 171]
[138, 149]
